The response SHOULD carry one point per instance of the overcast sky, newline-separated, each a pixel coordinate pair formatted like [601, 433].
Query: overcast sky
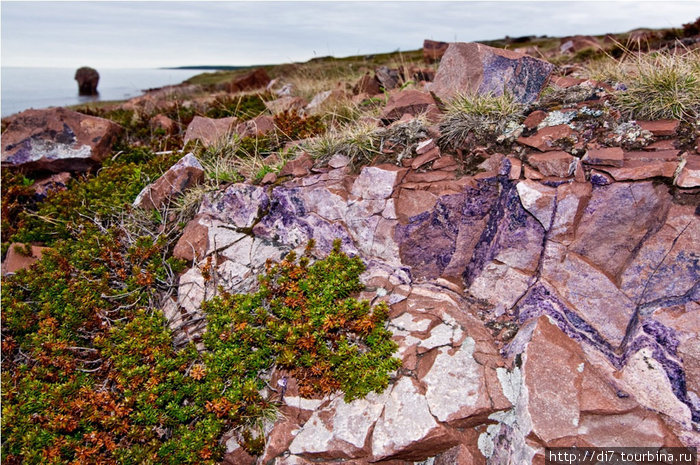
[155, 34]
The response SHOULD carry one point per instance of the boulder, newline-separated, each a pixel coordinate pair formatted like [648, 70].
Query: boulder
[412, 102]
[164, 123]
[210, 131]
[479, 69]
[433, 50]
[184, 174]
[57, 140]
[87, 78]
[257, 79]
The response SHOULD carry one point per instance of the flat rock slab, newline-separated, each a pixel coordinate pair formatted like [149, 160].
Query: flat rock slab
[473, 68]
[557, 163]
[57, 140]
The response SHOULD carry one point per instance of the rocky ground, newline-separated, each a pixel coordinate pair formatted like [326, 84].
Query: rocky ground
[539, 253]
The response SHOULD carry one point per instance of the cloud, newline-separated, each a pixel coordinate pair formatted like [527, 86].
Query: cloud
[151, 34]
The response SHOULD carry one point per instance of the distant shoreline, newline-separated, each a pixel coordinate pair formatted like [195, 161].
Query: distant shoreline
[210, 67]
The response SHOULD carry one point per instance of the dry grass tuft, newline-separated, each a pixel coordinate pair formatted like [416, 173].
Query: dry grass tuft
[482, 117]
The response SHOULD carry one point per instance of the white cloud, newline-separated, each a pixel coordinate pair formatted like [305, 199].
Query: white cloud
[150, 34]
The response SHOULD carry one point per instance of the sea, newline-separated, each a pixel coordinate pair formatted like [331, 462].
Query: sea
[24, 88]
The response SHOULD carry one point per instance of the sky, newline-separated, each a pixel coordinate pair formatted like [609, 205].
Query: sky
[152, 34]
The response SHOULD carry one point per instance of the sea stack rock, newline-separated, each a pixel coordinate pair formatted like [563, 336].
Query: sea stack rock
[87, 80]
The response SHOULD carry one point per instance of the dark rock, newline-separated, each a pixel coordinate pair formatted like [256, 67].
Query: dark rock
[388, 78]
[412, 102]
[87, 78]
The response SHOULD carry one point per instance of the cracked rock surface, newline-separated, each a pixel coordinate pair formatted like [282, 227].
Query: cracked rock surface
[527, 316]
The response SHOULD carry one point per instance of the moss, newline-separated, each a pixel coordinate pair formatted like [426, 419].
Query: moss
[243, 107]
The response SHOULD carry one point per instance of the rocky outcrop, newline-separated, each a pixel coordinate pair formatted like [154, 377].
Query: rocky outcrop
[527, 315]
[87, 78]
[471, 68]
[57, 140]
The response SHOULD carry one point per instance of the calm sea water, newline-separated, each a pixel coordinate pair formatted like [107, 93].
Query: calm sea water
[24, 88]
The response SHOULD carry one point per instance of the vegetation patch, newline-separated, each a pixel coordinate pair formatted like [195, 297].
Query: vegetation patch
[479, 118]
[662, 85]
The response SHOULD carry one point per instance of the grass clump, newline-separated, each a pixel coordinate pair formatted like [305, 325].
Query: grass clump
[661, 85]
[478, 117]
[359, 141]
[243, 107]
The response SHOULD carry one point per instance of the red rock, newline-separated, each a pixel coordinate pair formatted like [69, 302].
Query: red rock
[689, 174]
[660, 155]
[257, 79]
[534, 118]
[516, 167]
[638, 170]
[425, 146]
[209, 131]
[662, 127]
[433, 50]
[193, 242]
[532, 174]
[413, 202]
[571, 201]
[598, 178]
[164, 123]
[445, 162]
[269, 178]
[553, 378]
[17, 258]
[426, 158]
[186, 173]
[539, 200]
[565, 81]
[579, 172]
[544, 139]
[258, 126]
[413, 102]
[367, 85]
[298, 167]
[609, 156]
[552, 163]
[430, 176]
[663, 145]
[57, 140]
[478, 68]
[616, 220]
[283, 104]
[54, 183]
